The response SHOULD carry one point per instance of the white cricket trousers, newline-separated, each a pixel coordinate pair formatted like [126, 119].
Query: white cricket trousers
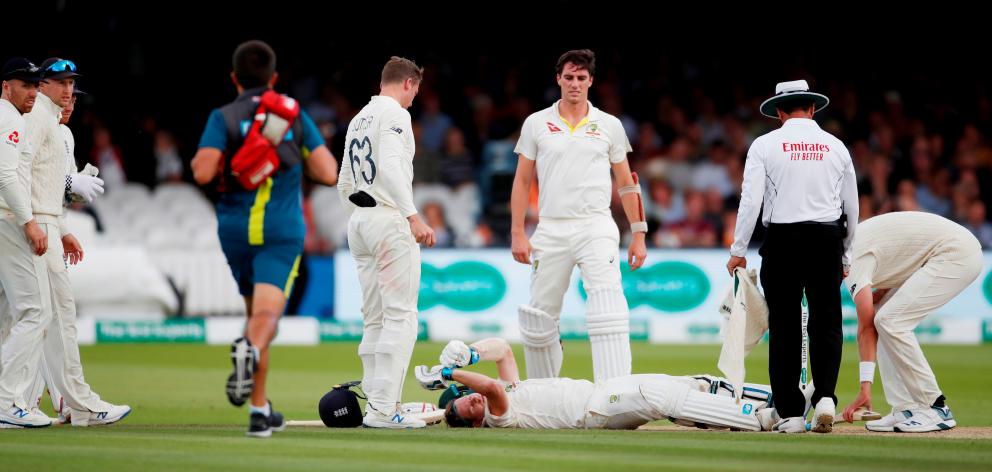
[558, 245]
[60, 366]
[24, 279]
[907, 379]
[388, 260]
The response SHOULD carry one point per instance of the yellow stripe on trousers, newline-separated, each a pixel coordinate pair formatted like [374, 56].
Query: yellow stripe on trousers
[256, 219]
[292, 277]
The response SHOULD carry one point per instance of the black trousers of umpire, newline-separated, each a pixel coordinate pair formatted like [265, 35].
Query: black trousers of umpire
[797, 257]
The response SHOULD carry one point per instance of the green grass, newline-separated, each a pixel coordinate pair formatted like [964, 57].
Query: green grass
[182, 421]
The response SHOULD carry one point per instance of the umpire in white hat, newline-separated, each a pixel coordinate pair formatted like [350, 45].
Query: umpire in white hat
[804, 179]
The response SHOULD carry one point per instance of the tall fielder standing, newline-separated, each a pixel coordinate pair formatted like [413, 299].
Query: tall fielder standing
[62, 352]
[570, 148]
[805, 178]
[383, 235]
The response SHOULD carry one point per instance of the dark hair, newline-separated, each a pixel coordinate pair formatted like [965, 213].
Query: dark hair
[398, 69]
[254, 64]
[794, 104]
[582, 58]
[453, 419]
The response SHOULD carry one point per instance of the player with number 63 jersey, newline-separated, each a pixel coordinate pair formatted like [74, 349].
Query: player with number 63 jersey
[376, 179]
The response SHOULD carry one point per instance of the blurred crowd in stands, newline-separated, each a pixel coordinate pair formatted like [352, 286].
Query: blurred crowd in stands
[915, 146]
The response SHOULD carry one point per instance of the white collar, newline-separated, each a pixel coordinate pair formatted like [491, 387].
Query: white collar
[800, 122]
[48, 104]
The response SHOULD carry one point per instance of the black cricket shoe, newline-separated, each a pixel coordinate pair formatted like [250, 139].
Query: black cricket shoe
[261, 426]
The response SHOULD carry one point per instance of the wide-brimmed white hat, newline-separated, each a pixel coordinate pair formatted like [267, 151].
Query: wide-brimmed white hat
[786, 91]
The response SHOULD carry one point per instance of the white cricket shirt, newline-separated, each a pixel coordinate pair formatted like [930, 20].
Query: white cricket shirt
[573, 161]
[557, 403]
[378, 156]
[892, 247]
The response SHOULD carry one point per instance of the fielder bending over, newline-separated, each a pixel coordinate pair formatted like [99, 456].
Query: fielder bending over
[916, 262]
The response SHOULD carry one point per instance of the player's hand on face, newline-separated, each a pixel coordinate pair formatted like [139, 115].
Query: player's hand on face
[520, 247]
[72, 251]
[637, 252]
[456, 354]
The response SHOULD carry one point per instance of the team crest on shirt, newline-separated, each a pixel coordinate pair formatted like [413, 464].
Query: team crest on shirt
[614, 398]
[552, 128]
[13, 138]
[593, 130]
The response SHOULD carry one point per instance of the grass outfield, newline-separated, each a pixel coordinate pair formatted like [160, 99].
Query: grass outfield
[182, 421]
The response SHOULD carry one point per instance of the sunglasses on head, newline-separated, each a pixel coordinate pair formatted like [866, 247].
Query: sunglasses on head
[62, 66]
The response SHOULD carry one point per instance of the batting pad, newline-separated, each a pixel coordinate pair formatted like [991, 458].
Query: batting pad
[718, 410]
[542, 346]
[608, 322]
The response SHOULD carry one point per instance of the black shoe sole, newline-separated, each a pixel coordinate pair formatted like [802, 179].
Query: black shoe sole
[241, 383]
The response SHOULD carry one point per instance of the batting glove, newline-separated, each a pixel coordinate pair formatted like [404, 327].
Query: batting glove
[457, 354]
[434, 378]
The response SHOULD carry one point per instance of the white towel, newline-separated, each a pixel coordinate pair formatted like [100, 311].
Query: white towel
[745, 316]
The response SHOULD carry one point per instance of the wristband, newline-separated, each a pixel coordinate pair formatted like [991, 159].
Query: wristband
[639, 227]
[474, 359]
[867, 371]
[446, 373]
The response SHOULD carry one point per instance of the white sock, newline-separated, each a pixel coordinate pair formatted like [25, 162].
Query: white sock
[265, 410]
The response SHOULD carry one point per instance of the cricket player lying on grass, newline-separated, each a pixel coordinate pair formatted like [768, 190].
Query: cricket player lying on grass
[559, 403]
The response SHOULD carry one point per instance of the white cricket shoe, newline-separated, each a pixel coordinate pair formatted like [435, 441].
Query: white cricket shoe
[19, 417]
[374, 419]
[823, 415]
[885, 424]
[795, 424]
[112, 414]
[930, 419]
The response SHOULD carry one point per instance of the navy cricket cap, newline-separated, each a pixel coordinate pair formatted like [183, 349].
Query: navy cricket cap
[22, 69]
[58, 68]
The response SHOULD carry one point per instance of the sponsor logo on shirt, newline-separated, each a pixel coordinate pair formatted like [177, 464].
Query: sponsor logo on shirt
[13, 138]
[397, 130]
[552, 128]
[803, 151]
